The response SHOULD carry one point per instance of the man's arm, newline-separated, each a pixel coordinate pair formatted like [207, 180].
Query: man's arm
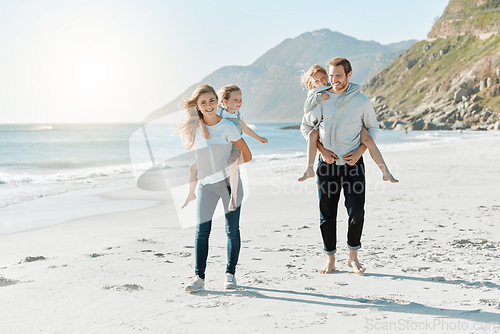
[328, 156]
[354, 156]
[369, 120]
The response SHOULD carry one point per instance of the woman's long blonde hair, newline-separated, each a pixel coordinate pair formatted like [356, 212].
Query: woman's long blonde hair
[187, 129]
[306, 78]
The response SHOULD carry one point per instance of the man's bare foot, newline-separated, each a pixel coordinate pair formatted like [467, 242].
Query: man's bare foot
[307, 174]
[329, 266]
[389, 177]
[232, 204]
[190, 197]
[356, 266]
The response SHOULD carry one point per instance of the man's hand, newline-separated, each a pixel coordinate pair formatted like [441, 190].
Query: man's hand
[354, 156]
[328, 156]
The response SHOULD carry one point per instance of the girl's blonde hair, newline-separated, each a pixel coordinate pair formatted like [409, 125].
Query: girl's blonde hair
[226, 91]
[306, 77]
[187, 129]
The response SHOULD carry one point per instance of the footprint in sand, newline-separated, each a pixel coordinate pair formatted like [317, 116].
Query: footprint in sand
[147, 241]
[182, 254]
[125, 287]
[55, 266]
[466, 243]
[490, 302]
[6, 282]
[346, 314]
[414, 269]
[32, 259]
[94, 255]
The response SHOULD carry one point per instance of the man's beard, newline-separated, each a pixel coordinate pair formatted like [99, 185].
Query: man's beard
[340, 87]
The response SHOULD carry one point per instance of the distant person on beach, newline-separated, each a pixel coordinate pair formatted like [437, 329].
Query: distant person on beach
[341, 165]
[212, 156]
[316, 81]
[230, 98]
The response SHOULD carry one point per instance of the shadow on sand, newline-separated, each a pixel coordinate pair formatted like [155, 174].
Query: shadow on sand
[381, 304]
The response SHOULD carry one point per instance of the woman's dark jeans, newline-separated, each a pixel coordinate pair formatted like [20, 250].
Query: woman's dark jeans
[208, 197]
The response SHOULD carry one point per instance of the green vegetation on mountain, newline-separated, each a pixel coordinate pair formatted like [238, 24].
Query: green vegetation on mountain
[451, 81]
[468, 17]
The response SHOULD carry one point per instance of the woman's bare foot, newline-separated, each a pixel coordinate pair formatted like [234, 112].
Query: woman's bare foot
[232, 204]
[190, 197]
[356, 266]
[389, 177]
[329, 266]
[307, 174]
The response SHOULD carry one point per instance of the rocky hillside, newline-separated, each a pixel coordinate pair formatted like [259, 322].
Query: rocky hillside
[271, 85]
[466, 17]
[449, 81]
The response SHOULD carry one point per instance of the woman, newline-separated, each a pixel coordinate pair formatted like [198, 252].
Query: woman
[212, 158]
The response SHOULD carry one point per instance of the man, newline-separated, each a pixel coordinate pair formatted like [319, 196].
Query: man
[341, 164]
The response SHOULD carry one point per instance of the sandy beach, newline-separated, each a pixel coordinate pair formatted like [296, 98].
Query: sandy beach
[430, 245]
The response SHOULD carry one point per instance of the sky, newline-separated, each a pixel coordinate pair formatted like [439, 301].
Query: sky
[90, 61]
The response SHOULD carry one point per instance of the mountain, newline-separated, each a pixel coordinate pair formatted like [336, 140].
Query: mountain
[451, 80]
[271, 85]
[466, 17]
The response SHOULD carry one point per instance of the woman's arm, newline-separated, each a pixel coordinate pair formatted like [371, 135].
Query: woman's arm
[245, 151]
[251, 133]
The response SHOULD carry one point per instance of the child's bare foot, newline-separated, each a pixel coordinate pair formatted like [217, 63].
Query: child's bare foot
[232, 204]
[329, 266]
[389, 177]
[307, 174]
[356, 266]
[190, 197]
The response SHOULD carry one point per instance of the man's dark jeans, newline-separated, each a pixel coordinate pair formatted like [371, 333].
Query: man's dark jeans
[330, 180]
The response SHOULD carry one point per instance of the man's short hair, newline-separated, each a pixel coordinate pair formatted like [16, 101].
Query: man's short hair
[340, 61]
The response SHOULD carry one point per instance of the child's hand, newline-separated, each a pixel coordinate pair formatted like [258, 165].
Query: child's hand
[324, 96]
[263, 140]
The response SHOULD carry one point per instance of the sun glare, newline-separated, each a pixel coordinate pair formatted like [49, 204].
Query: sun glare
[84, 75]
[88, 74]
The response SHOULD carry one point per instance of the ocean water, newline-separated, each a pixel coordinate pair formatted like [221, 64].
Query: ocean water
[39, 160]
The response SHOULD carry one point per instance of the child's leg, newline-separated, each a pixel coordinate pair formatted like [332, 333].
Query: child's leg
[233, 178]
[312, 143]
[376, 155]
[193, 180]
